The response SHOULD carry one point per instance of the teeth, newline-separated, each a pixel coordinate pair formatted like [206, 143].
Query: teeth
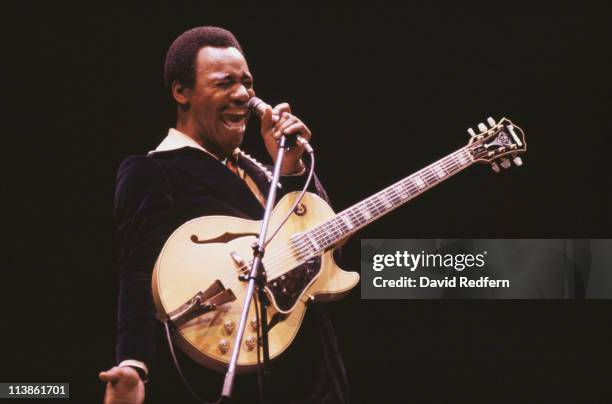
[234, 119]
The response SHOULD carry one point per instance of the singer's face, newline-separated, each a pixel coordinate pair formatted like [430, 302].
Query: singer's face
[223, 85]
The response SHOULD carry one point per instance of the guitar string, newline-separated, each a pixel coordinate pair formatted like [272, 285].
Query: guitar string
[356, 213]
[319, 234]
[388, 197]
[391, 197]
[458, 160]
[305, 253]
[453, 163]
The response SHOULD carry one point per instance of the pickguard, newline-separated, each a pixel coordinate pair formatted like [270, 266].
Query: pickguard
[288, 287]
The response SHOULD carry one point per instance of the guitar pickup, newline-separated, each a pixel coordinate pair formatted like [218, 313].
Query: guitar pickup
[202, 303]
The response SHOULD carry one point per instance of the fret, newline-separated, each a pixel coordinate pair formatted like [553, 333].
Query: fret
[439, 171]
[374, 202]
[431, 178]
[347, 222]
[325, 235]
[419, 181]
[356, 215]
[457, 162]
[385, 199]
[336, 227]
[360, 214]
[366, 214]
[313, 242]
[400, 192]
[410, 188]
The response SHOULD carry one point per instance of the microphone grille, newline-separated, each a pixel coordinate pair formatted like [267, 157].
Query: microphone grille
[253, 103]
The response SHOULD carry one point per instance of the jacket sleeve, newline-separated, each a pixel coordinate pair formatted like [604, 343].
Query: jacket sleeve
[143, 220]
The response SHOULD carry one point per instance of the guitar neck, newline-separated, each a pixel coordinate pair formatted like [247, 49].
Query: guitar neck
[349, 221]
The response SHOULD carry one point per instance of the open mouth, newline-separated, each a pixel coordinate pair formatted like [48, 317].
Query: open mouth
[235, 120]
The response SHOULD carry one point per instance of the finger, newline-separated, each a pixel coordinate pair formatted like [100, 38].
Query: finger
[282, 107]
[111, 375]
[267, 120]
[297, 128]
[285, 123]
[279, 125]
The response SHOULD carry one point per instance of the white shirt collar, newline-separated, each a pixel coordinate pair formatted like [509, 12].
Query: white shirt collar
[177, 140]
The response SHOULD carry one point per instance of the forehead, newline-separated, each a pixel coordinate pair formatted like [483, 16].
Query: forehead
[212, 62]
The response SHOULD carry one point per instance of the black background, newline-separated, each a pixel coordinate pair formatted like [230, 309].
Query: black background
[385, 91]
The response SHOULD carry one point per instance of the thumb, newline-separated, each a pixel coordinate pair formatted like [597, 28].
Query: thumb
[110, 376]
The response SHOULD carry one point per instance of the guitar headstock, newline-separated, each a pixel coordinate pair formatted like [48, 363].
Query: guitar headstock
[498, 142]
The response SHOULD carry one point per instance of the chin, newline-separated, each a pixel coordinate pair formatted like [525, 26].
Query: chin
[237, 141]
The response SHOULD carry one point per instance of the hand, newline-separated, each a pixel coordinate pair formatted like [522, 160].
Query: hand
[123, 386]
[279, 121]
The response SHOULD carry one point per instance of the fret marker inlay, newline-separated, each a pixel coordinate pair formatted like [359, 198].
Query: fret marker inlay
[347, 221]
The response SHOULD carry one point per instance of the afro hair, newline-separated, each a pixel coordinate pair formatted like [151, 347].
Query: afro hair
[181, 57]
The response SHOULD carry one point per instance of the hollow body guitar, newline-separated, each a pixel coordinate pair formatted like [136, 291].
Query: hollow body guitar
[198, 279]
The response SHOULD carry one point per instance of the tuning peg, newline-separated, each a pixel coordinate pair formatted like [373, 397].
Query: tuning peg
[495, 167]
[482, 127]
[505, 163]
[517, 161]
[491, 122]
[471, 132]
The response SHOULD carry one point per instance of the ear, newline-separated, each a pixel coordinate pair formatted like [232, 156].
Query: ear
[181, 93]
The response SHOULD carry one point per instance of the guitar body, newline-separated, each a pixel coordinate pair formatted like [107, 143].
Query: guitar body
[196, 277]
[210, 249]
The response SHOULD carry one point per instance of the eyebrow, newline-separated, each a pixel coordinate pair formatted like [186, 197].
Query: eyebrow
[229, 76]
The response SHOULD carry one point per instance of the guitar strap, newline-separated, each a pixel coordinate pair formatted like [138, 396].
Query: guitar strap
[233, 165]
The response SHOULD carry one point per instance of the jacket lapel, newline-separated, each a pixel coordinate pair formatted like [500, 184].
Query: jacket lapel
[256, 174]
[219, 179]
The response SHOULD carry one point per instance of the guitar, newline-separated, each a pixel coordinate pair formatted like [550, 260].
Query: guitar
[198, 279]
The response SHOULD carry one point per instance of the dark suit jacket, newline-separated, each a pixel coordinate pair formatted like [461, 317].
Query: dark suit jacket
[156, 194]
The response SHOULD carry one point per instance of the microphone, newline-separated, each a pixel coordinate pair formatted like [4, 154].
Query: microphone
[258, 106]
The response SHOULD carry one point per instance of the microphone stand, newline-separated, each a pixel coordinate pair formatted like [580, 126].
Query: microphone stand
[256, 276]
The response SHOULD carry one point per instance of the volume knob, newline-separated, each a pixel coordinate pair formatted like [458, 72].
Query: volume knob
[254, 323]
[229, 327]
[250, 342]
[224, 346]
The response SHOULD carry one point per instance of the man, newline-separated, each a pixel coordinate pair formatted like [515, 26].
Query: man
[187, 176]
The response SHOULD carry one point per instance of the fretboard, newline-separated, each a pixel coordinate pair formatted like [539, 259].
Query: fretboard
[357, 216]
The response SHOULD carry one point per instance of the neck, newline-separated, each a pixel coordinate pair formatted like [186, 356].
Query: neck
[354, 218]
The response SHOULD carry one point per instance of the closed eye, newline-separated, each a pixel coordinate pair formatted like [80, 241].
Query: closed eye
[224, 84]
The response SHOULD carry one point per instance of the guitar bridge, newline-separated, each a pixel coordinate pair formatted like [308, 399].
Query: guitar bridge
[202, 303]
